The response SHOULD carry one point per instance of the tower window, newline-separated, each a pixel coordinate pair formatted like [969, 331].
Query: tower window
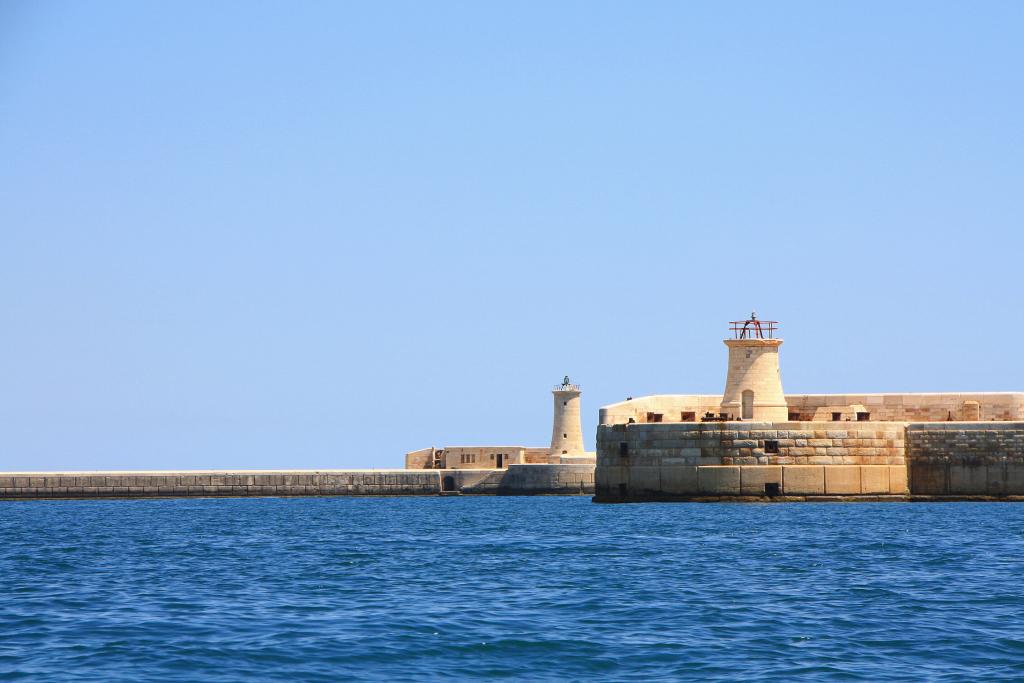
[565, 436]
[565, 403]
[863, 417]
[771, 446]
[654, 417]
[836, 417]
[689, 416]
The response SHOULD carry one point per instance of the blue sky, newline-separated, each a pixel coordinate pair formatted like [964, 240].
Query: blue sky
[322, 234]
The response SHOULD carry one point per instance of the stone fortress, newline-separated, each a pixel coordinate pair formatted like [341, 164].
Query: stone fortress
[756, 442]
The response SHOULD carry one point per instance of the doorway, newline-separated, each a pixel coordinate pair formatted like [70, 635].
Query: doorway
[499, 460]
[747, 412]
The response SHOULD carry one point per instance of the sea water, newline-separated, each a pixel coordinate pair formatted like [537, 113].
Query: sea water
[543, 588]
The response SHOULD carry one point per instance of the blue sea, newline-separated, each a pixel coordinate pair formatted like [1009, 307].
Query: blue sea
[546, 588]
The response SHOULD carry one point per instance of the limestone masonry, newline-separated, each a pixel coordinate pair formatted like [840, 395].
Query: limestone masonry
[755, 442]
[541, 479]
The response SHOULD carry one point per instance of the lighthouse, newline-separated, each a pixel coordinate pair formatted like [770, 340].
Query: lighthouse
[753, 386]
[566, 432]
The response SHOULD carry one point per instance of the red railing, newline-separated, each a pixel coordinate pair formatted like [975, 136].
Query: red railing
[753, 328]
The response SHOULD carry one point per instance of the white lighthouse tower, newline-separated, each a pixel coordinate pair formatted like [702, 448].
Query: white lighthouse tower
[566, 432]
[753, 387]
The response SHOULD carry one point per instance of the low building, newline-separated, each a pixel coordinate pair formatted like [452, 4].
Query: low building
[566, 444]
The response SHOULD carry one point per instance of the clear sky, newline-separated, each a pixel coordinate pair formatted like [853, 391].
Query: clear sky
[277, 234]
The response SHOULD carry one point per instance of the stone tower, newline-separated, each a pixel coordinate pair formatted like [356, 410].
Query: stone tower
[753, 387]
[566, 432]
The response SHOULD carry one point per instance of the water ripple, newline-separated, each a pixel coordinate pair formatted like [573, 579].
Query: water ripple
[517, 588]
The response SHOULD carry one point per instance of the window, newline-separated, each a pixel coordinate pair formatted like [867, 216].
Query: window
[565, 436]
[492, 456]
[467, 458]
[863, 417]
[771, 446]
[794, 417]
[771, 488]
[836, 417]
[689, 416]
[565, 403]
[623, 449]
[654, 417]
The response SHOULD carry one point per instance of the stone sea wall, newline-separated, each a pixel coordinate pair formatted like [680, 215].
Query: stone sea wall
[680, 461]
[540, 479]
[218, 483]
[789, 460]
[966, 459]
[516, 480]
[752, 443]
[666, 481]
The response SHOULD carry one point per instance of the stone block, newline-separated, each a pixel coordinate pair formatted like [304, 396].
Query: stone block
[968, 479]
[644, 479]
[1014, 483]
[719, 480]
[609, 475]
[680, 480]
[874, 479]
[753, 479]
[995, 480]
[842, 480]
[927, 478]
[800, 480]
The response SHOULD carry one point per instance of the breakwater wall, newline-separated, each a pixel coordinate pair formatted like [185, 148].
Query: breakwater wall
[966, 459]
[516, 480]
[810, 460]
[524, 480]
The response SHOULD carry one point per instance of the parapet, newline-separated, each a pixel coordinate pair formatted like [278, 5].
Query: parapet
[906, 407]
